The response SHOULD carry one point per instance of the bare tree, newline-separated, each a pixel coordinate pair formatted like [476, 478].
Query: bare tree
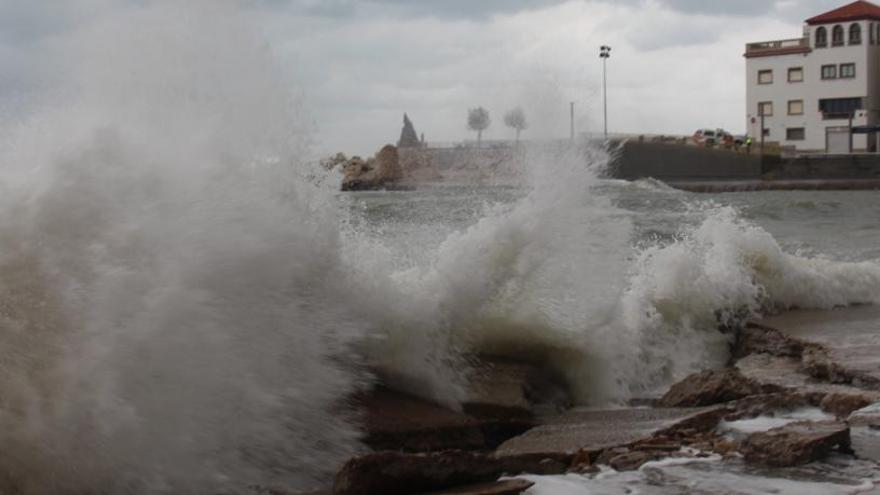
[516, 119]
[478, 120]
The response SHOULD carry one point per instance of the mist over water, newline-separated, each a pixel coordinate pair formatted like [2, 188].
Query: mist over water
[187, 305]
[175, 313]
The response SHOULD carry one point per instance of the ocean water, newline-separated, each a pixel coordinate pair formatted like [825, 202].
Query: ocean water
[187, 302]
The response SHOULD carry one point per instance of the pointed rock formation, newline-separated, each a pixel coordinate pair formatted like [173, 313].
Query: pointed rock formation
[408, 136]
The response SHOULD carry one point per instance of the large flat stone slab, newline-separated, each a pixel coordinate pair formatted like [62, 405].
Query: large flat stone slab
[851, 335]
[395, 421]
[581, 429]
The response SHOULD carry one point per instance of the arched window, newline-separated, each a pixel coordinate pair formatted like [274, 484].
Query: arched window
[855, 34]
[837, 35]
[821, 37]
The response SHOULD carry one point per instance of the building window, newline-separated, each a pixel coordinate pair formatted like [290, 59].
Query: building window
[848, 71]
[839, 108]
[795, 134]
[821, 37]
[829, 72]
[765, 77]
[796, 74]
[765, 108]
[837, 35]
[855, 34]
[795, 107]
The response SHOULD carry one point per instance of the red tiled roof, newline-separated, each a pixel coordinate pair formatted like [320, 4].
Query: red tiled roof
[855, 11]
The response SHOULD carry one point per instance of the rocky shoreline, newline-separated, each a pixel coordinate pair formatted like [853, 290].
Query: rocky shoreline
[510, 429]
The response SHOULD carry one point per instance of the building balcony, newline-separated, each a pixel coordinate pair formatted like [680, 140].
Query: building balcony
[779, 47]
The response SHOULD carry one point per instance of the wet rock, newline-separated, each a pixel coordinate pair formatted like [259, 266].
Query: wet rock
[506, 487]
[769, 404]
[843, 404]
[866, 416]
[398, 473]
[630, 461]
[710, 387]
[865, 432]
[760, 339]
[332, 162]
[846, 344]
[588, 432]
[377, 173]
[795, 443]
[394, 473]
[817, 363]
[507, 388]
[396, 421]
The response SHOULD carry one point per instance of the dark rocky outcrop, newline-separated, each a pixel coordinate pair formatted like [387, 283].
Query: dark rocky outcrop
[843, 404]
[408, 136]
[381, 171]
[795, 443]
[332, 162]
[760, 339]
[507, 388]
[521, 405]
[710, 387]
[396, 421]
[506, 487]
[399, 473]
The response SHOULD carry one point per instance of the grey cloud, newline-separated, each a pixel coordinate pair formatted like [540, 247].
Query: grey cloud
[448, 9]
[737, 8]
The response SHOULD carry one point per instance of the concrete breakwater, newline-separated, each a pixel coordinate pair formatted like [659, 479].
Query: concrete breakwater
[699, 169]
[687, 167]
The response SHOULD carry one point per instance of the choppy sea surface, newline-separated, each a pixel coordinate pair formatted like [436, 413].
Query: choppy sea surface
[704, 241]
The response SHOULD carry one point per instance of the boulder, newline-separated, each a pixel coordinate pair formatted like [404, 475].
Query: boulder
[332, 162]
[710, 387]
[510, 388]
[506, 487]
[400, 473]
[630, 461]
[396, 421]
[379, 172]
[866, 416]
[795, 443]
[760, 339]
[843, 404]
[387, 165]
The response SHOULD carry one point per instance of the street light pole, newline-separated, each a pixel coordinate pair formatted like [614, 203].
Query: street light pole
[605, 54]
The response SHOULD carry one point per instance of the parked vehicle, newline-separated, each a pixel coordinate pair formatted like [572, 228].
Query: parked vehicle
[714, 137]
[705, 137]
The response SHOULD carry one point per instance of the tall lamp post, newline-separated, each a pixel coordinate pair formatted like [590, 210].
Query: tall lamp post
[605, 54]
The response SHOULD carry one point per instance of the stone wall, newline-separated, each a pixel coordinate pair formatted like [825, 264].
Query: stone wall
[665, 161]
[860, 166]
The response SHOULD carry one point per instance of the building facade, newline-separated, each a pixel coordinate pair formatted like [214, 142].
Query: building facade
[819, 92]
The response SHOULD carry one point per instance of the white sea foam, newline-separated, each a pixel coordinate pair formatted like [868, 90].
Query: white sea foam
[174, 318]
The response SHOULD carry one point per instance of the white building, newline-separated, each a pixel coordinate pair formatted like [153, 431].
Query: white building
[814, 89]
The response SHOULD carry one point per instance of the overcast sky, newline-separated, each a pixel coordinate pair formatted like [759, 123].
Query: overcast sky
[676, 65]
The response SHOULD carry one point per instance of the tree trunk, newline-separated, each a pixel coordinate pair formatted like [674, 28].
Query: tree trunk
[479, 137]
[517, 136]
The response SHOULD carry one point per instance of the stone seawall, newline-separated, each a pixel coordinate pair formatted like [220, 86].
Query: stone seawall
[636, 160]
[687, 166]
[856, 166]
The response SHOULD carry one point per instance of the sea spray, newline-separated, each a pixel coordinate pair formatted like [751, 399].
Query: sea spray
[175, 316]
[716, 274]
